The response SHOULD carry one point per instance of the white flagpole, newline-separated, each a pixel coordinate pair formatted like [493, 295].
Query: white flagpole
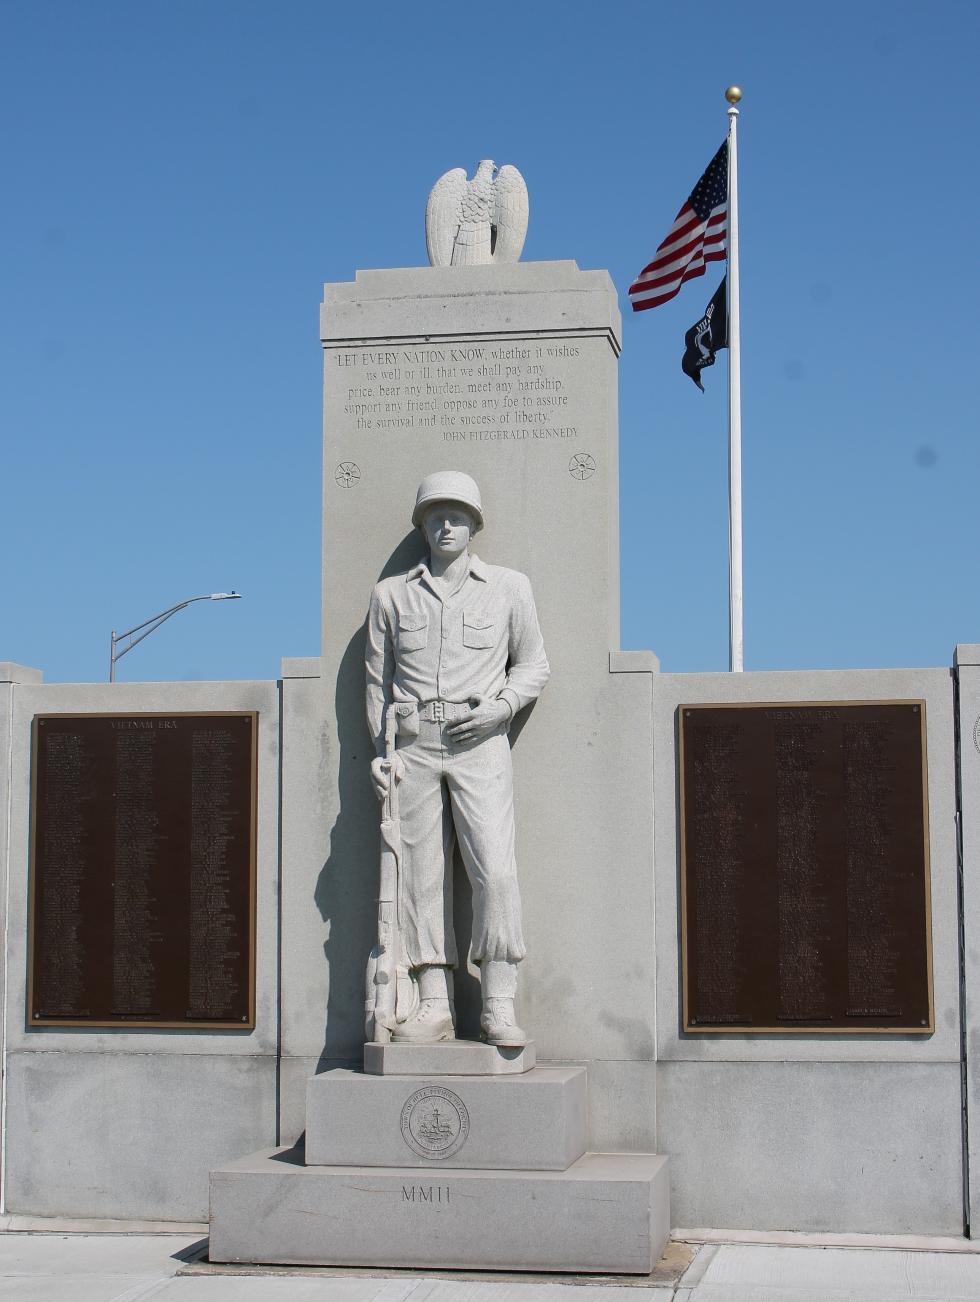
[735, 658]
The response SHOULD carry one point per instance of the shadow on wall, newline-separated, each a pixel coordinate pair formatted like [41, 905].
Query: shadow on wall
[347, 887]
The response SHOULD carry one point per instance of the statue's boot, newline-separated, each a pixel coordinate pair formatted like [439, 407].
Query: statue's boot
[498, 1024]
[435, 1017]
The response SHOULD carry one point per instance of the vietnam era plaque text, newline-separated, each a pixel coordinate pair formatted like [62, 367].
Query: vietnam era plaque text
[805, 869]
[142, 873]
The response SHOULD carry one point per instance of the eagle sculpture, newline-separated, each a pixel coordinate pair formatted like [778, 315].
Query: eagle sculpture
[468, 223]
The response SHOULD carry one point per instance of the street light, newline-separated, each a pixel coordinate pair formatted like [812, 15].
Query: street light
[151, 625]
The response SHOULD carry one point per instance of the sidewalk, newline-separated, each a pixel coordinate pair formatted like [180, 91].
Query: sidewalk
[51, 1265]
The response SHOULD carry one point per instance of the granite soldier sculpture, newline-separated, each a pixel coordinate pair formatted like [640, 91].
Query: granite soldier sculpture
[454, 648]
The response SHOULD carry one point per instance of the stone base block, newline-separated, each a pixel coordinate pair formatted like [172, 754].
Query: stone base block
[450, 1058]
[533, 1122]
[608, 1213]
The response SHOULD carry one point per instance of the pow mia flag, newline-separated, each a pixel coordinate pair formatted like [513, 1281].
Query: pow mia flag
[703, 340]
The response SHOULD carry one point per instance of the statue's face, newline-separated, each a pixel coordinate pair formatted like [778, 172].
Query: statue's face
[448, 529]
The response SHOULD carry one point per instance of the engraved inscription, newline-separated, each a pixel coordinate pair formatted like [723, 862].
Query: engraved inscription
[136, 845]
[805, 867]
[66, 774]
[803, 903]
[430, 1195]
[434, 1122]
[141, 872]
[872, 954]
[215, 950]
[486, 394]
[717, 828]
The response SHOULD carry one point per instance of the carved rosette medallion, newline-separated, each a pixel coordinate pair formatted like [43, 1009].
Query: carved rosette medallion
[581, 466]
[347, 474]
[434, 1122]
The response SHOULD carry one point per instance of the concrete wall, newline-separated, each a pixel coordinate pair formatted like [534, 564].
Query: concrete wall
[322, 913]
[821, 1132]
[10, 675]
[967, 660]
[128, 1123]
[859, 1133]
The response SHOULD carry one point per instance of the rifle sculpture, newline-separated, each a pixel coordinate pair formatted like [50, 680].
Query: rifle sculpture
[385, 973]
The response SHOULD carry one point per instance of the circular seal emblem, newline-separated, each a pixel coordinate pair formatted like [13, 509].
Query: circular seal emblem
[434, 1122]
[347, 474]
[976, 734]
[581, 466]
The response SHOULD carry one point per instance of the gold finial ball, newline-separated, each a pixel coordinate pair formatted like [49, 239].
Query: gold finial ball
[733, 94]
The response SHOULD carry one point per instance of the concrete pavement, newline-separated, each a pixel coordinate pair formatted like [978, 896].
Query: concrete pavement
[52, 1265]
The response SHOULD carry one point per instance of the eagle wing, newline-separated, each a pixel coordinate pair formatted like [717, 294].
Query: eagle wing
[442, 214]
[510, 214]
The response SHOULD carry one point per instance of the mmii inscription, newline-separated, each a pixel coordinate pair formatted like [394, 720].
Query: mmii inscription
[142, 871]
[805, 868]
[426, 1195]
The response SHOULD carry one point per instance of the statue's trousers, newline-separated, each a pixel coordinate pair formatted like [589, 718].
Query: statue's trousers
[453, 792]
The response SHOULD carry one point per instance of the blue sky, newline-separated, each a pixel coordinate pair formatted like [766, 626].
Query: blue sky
[182, 178]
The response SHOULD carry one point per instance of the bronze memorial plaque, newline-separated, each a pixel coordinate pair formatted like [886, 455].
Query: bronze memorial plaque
[142, 907]
[805, 868]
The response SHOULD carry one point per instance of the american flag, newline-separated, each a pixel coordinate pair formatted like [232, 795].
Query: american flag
[696, 237]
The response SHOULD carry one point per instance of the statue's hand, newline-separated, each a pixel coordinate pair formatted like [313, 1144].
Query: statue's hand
[485, 716]
[382, 770]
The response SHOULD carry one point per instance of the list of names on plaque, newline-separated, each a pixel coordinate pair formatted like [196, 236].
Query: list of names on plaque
[215, 957]
[142, 870]
[805, 867]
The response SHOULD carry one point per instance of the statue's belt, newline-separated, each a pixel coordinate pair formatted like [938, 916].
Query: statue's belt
[429, 712]
[443, 711]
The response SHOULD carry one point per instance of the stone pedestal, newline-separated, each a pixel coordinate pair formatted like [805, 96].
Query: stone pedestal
[458, 1058]
[608, 1212]
[534, 1122]
[444, 1172]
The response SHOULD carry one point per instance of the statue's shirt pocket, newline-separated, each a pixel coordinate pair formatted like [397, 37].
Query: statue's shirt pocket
[479, 630]
[413, 633]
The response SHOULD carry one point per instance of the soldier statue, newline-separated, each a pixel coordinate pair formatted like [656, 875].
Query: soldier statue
[454, 651]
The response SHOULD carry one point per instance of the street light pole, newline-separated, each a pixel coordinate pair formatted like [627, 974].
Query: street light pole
[150, 625]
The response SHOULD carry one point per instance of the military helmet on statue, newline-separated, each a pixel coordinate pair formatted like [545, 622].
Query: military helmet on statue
[448, 486]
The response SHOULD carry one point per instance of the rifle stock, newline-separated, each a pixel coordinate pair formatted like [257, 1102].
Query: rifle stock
[382, 974]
